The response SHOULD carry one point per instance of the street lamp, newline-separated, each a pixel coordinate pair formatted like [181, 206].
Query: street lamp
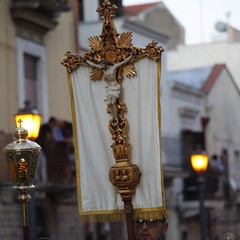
[199, 163]
[22, 156]
[31, 119]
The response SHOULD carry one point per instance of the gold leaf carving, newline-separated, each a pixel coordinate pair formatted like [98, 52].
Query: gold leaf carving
[111, 56]
[154, 51]
[96, 74]
[125, 40]
[72, 61]
[95, 43]
[129, 70]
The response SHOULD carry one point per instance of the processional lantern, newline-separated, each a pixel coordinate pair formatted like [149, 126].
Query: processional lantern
[22, 156]
[117, 118]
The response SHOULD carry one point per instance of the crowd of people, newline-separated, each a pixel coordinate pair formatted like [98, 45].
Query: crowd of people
[56, 162]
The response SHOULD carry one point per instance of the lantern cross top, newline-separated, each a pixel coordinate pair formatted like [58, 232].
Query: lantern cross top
[20, 121]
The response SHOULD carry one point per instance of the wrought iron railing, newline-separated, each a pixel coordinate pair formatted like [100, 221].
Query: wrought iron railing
[171, 152]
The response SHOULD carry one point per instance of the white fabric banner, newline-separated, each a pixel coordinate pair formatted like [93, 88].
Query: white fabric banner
[94, 157]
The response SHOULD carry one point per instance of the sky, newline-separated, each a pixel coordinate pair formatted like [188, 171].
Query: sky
[199, 17]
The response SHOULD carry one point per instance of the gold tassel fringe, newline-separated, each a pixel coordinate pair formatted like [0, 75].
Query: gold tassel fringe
[118, 217]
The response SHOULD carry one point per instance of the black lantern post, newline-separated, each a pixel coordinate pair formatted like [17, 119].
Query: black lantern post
[199, 163]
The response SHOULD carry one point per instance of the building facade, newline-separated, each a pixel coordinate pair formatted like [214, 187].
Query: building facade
[32, 53]
[35, 36]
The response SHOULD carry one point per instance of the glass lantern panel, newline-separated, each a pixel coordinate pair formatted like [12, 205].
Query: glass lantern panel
[31, 122]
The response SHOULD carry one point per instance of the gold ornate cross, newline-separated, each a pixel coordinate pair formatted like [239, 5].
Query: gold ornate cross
[112, 49]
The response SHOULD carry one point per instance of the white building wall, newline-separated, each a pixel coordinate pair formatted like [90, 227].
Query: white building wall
[205, 55]
[223, 131]
[89, 9]
[223, 102]
[180, 99]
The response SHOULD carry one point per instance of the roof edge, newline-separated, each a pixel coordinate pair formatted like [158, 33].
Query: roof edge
[144, 30]
[213, 77]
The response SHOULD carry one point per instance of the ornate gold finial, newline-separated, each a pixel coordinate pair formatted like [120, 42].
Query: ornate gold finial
[20, 132]
[72, 61]
[107, 11]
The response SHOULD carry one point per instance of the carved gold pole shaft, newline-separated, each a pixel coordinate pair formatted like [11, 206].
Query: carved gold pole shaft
[123, 175]
[128, 210]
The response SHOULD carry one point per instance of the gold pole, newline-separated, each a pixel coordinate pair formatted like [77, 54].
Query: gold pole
[128, 210]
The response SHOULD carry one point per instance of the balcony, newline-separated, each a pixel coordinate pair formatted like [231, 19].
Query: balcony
[172, 158]
[36, 16]
[215, 187]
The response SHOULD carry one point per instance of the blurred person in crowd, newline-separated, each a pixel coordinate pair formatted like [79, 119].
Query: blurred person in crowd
[57, 130]
[226, 183]
[150, 229]
[46, 141]
[55, 138]
[46, 133]
[216, 164]
[215, 178]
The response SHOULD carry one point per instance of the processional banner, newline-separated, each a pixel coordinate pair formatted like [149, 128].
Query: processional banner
[115, 98]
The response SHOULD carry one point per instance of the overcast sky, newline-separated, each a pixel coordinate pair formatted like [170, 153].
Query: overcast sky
[199, 17]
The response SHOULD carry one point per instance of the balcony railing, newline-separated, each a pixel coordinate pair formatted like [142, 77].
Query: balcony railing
[171, 150]
[215, 187]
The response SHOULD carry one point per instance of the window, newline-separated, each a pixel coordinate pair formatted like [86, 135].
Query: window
[30, 75]
[80, 10]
